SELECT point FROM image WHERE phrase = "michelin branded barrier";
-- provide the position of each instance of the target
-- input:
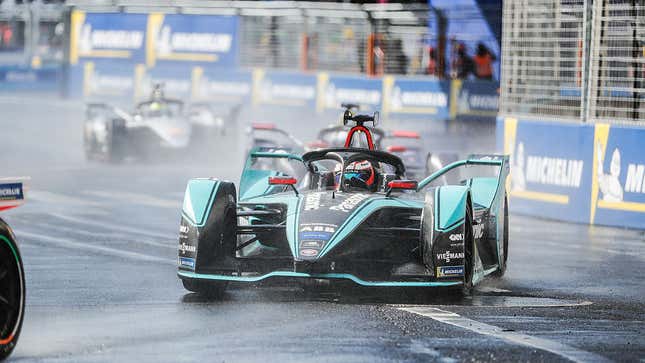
(22, 78)
(400, 97)
(119, 56)
(586, 173)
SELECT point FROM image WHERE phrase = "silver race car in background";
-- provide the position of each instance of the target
(156, 127)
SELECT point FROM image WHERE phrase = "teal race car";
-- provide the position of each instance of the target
(346, 214)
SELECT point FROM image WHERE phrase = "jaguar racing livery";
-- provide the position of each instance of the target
(300, 217)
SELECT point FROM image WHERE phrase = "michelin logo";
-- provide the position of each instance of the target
(609, 184)
(544, 170)
(402, 99)
(169, 42)
(109, 39)
(334, 96)
(477, 102)
(270, 91)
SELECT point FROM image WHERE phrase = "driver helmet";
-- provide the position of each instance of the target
(157, 92)
(360, 175)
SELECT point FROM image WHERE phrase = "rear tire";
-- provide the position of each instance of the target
(502, 264)
(12, 292)
(114, 152)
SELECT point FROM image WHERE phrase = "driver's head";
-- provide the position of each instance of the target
(157, 92)
(360, 175)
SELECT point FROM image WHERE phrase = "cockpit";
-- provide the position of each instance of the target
(159, 108)
(341, 169)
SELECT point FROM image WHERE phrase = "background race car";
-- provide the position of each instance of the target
(157, 127)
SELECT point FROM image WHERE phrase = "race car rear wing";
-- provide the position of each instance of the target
(12, 192)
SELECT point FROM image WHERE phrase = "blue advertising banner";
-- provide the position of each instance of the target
(176, 82)
(284, 89)
(219, 86)
(22, 78)
(405, 97)
(333, 90)
(107, 36)
(587, 173)
(203, 40)
(476, 99)
(101, 81)
(618, 185)
(551, 168)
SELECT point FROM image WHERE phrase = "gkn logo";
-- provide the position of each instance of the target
(456, 237)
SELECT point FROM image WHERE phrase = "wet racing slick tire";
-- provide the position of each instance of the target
(12, 291)
(217, 243)
(502, 264)
(469, 252)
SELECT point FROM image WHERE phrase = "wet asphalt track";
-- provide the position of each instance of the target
(99, 246)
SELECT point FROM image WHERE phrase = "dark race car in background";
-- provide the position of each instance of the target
(157, 127)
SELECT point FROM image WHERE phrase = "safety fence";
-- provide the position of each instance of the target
(574, 60)
(617, 64)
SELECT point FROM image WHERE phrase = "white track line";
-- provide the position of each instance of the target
(448, 317)
(136, 198)
(109, 226)
(66, 243)
(114, 235)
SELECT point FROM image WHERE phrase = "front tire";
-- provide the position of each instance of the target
(12, 292)
(469, 253)
(208, 289)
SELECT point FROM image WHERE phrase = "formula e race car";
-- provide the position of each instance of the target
(156, 127)
(345, 213)
(12, 273)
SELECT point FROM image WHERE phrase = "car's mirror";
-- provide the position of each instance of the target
(282, 180)
(401, 185)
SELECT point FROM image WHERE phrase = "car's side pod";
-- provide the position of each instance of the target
(443, 230)
(207, 234)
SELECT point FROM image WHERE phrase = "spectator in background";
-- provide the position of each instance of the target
(483, 61)
(396, 60)
(461, 65)
(432, 69)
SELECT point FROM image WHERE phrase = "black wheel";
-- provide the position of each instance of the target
(113, 148)
(89, 144)
(502, 264)
(208, 289)
(12, 292)
(469, 253)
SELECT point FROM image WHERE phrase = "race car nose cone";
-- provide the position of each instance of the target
(302, 266)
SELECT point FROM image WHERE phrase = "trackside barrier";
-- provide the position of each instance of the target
(23, 78)
(586, 173)
(397, 97)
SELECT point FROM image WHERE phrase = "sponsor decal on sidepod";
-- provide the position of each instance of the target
(449, 271)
